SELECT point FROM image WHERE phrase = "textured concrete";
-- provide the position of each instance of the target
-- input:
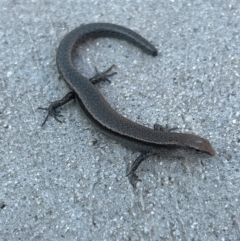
(67, 181)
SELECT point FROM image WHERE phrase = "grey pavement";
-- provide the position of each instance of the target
(67, 181)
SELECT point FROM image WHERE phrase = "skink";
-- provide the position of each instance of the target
(145, 140)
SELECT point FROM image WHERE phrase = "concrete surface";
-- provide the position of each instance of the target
(67, 181)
